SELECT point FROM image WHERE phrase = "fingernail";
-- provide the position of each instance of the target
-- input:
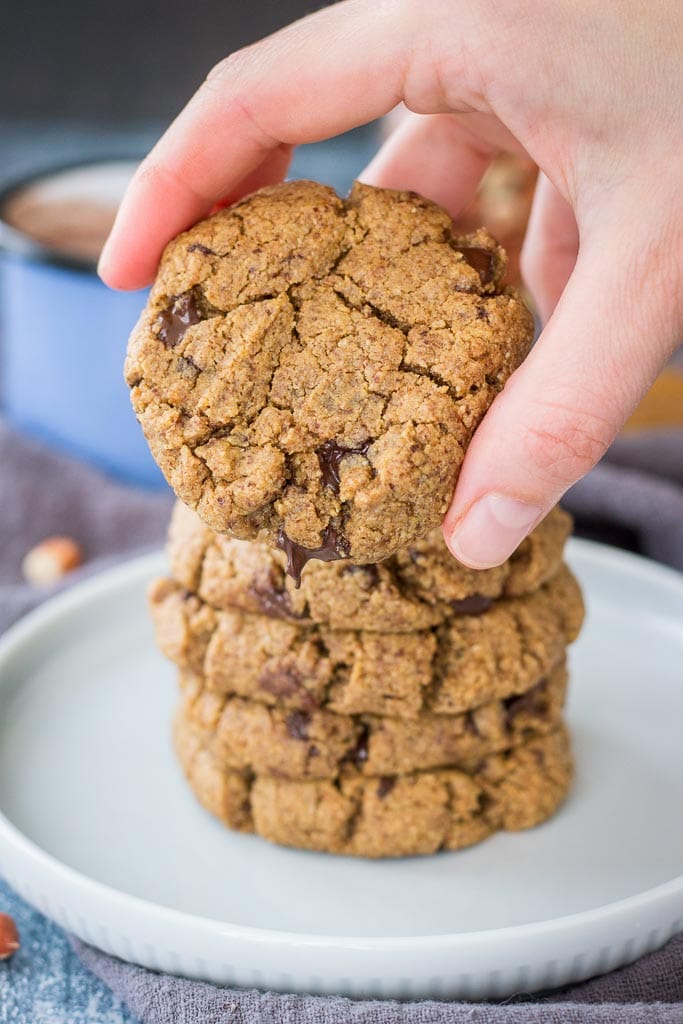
(102, 261)
(491, 530)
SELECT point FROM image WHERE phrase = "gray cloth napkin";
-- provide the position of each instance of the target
(649, 990)
(636, 494)
(43, 493)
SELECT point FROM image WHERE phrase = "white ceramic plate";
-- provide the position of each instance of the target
(98, 830)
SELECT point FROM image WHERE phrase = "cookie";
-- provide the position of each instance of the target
(416, 588)
(389, 816)
(460, 664)
(311, 369)
(253, 737)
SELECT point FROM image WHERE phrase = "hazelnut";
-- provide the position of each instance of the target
(50, 560)
(9, 937)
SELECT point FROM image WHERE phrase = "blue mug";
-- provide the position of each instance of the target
(64, 333)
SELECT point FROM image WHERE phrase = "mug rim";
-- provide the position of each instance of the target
(19, 243)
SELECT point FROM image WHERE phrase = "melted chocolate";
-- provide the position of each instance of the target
(480, 259)
(297, 723)
(174, 321)
(475, 604)
(333, 546)
(330, 455)
(532, 701)
(385, 786)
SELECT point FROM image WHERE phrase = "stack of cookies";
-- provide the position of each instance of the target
(380, 710)
(309, 372)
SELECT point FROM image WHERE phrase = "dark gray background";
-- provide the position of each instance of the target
(123, 60)
(83, 79)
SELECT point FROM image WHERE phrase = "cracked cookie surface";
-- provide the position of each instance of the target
(248, 736)
(389, 816)
(416, 588)
(460, 664)
(311, 369)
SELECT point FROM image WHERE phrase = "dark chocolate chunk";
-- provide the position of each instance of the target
(360, 752)
(333, 546)
(480, 259)
(471, 724)
(174, 321)
(532, 701)
(485, 801)
(187, 367)
(369, 574)
(385, 786)
(475, 604)
(297, 723)
(198, 247)
(272, 600)
(285, 682)
(330, 455)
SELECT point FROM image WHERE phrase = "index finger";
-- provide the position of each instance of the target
(323, 75)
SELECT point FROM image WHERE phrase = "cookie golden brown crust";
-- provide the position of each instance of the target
(416, 588)
(312, 369)
(248, 736)
(462, 663)
(390, 816)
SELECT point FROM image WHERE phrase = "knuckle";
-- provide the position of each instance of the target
(158, 176)
(226, 69)
(565, 443)
(230, 79)
(151, 174)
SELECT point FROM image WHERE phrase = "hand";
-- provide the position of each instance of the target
(589, 90)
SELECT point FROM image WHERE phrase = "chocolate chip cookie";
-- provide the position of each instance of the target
(311, 369)
(248, 736)
(462, 663)
(416, 588)
(389, 816)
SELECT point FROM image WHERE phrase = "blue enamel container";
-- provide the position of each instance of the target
(63, 339)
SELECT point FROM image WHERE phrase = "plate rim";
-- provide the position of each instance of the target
(68, 602)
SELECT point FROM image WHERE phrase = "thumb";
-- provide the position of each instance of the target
(559, 412)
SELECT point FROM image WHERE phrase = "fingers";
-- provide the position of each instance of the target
(124, 261)
(271, 171)
(550, 247)
(433, 155)
(329, 72)
(563, 407)
(441, 156)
